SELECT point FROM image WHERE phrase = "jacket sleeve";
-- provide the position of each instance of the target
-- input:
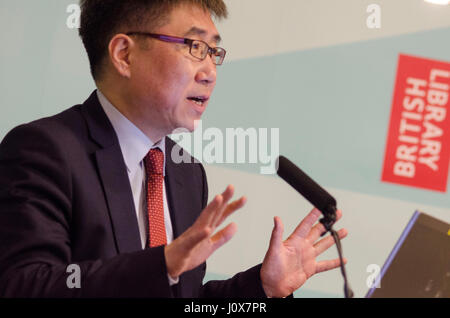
(35, 230)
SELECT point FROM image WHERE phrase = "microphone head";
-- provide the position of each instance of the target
(306, 186)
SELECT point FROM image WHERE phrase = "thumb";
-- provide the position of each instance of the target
(277, 233)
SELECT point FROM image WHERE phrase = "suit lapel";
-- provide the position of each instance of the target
(120, 198)
(176, 194)
(178, 200)
(114, 177)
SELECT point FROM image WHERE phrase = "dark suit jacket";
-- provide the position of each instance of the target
(65, 198)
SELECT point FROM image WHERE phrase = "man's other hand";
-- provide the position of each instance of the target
(288, 264)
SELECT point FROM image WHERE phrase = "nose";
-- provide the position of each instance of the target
(207, 73)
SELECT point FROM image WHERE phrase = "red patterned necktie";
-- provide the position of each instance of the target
(154, 164)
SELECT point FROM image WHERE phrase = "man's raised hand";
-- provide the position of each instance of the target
(198, 242)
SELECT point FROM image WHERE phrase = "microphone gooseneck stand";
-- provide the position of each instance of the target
(319, 198)
(327, 221)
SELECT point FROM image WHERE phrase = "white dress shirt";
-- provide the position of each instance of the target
(135, 145)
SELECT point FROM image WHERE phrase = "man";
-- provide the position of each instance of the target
(96, 185)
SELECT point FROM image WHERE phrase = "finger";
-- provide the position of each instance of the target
(208, 213)
(276, 238)
(230, 208)
(226, 196)
(228, 193)
(306, 224)
(327, 242)
(319, 229)
(215, 207)
(193, 236)
(324, 266)
(223, 236)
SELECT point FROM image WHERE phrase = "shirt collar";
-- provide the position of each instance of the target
(133, 142)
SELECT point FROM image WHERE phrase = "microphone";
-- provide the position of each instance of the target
(307, 187)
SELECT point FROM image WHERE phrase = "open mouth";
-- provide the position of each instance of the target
(199, 100)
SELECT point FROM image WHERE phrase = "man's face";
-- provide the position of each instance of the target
(165, 77)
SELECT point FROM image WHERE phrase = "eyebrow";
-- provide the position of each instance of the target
(197, 31)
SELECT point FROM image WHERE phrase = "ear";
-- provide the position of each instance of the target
(120, 48)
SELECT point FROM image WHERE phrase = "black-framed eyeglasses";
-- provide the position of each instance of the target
(197, 48)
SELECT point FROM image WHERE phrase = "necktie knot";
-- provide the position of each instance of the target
(154, 162)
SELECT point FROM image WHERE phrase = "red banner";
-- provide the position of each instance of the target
(418, 142)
